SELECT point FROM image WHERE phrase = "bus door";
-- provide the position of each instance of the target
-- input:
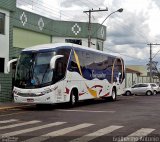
(60, 73)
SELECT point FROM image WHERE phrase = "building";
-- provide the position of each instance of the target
(138, 74)
(20, 29)
(132, 77)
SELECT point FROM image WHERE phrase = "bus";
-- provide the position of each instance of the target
(66, 72)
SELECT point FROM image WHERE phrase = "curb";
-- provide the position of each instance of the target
(12, 107)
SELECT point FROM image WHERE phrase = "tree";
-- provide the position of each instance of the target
(154, 69)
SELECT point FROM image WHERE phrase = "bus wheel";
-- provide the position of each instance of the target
(73, 97)
(114, 95)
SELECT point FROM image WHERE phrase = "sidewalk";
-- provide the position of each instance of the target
(11, 105)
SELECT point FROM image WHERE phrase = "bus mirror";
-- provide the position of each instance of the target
(53, 60)
(9, 64)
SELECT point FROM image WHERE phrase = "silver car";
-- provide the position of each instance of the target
(140, 89)
(155, 88)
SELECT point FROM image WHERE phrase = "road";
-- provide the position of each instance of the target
(130, 118)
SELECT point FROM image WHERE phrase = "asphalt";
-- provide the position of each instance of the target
(11, 105)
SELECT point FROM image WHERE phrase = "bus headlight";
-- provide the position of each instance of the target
(44, 92)
(15, 92)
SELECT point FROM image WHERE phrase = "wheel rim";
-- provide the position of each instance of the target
(128, 93)
(149, 93)
(113, 95)
(73, 99)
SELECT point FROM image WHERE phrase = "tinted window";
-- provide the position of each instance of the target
(73, 64)
(1, 64)
(153, 85)
(61, 63)
(75, 41)
(136, 86)
(2, 23)
(143, 85)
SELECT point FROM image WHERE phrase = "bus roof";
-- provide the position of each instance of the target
(56, 45)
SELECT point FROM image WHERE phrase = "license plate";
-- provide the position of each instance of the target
(30, 100)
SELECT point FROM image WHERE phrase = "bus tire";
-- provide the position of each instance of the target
(73, 97)
(114, 94)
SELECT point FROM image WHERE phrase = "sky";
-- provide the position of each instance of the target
(128, 33)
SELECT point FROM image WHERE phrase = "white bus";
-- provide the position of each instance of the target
(65, 72)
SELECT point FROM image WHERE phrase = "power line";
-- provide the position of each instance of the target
(116, 22)
(150, 59)
(42, 7)
(89, 23)
(123, 54)
(84, 41)
(91, 3)
(66, 35)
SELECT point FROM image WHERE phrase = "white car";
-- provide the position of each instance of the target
(141, 89)
(155, 87)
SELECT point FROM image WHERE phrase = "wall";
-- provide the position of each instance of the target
(4, 40)
(131, 79)
(25, 38)
(84, 41)
(5, 87)
(9, 5)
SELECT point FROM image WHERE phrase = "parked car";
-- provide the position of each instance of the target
(141, 89)
(156, 87)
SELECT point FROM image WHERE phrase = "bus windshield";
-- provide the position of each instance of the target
(33, 70)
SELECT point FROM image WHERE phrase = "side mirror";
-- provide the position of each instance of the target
(9, 64)
(53, 60)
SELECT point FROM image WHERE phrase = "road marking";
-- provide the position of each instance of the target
(59, 132)
(77, 110)
(96, 134)
(136, 136)
(11, 114)
(19, 124)
(32, 129)
(8, 121)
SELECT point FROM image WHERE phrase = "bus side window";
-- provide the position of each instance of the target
(59, 70)
(73, 65)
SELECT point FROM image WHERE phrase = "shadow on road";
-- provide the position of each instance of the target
(48, 107)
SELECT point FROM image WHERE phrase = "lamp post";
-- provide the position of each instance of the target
(119, 10)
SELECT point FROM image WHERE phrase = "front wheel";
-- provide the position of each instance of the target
(114, 95)
(73, 98)
(148, 93)
(128, 93)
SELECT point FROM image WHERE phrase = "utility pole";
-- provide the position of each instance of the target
(89, 23)
(150, 60)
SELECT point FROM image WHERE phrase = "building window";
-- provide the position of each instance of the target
(2, 23)
(2, 65)
(75, 41)
(100, 45)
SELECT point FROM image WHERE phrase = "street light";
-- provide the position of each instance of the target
(119, 10)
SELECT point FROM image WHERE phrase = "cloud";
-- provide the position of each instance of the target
(131, 29)
(72, 3)
(127, 33)
(82, 4)
(157, 2)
